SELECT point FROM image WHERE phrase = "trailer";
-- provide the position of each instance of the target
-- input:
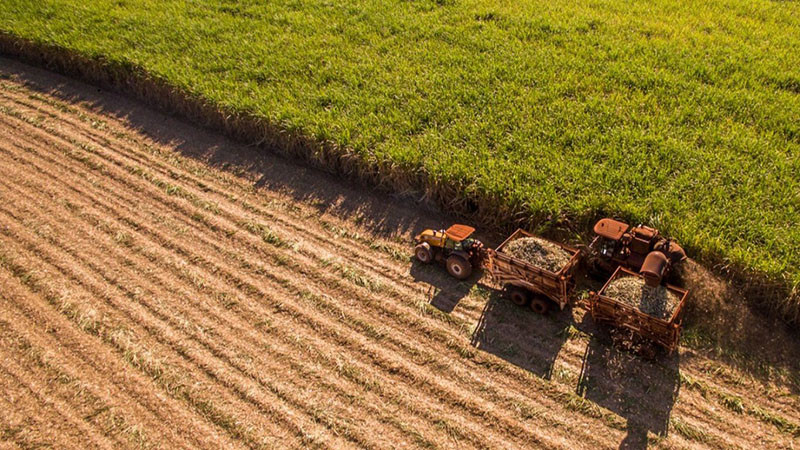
(611, 311)
(526, 284)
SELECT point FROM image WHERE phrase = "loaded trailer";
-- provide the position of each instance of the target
(664, 330)
(528, 284)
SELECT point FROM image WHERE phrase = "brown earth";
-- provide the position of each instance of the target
(160, 284)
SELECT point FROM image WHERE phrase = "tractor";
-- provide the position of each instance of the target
(638, 248)
(453, 246)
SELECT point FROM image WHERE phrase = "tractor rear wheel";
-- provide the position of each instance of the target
(518, 296)
(459, 267)
(423, 254)
(540, 305)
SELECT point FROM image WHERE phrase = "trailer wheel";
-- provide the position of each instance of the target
(518, 296)
(423, 253)
(540, 305)
(459, 267)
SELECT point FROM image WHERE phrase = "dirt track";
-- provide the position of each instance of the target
(161, 283)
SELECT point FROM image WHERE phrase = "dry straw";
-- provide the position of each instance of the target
(658, 302)
(539, 252)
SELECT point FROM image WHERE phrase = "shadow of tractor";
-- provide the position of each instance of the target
(445, 292)
(520, 336)
(641, 391)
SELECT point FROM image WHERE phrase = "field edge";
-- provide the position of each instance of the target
(769, 294)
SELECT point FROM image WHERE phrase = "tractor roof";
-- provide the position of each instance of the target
(610, 228)
(459, 232)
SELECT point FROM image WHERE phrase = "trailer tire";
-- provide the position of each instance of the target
(518, 296)
(423, 253)
(540, 305)
(459, 267)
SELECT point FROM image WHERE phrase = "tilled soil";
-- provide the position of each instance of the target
(161, 286)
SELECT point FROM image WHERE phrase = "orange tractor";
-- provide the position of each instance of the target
(453, 246)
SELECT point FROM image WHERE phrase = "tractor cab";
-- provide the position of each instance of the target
(454, 246)
(609, 240)
(458, 237)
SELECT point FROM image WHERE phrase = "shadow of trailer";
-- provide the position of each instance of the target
(527, 284)
(642, 391)
(529, 341)
(665, 332)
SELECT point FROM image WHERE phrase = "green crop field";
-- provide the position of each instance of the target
(685, 115)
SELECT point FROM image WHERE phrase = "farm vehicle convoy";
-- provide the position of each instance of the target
(635, 262)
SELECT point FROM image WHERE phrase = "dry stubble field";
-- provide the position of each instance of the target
(158, 283)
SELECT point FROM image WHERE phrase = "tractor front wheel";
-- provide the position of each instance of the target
(423, 254)
(459, 267)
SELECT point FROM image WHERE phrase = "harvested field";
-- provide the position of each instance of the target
(161, 285)
(539, 252)
(657, 302)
